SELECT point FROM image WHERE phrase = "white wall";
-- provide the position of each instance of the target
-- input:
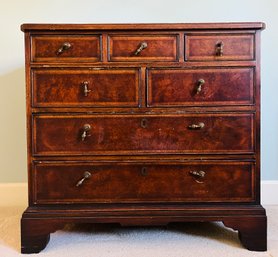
(12, 92)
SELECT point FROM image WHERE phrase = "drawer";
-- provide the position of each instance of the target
(204, 181)
(128, 48)
(66, 48)
(202, 86)
(95, 87)
(217, 47)
(139, 134)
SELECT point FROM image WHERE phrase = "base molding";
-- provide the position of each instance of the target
(38, 222)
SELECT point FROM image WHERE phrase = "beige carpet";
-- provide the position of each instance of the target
(190, 239)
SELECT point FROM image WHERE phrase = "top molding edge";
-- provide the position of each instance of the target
(144, 26)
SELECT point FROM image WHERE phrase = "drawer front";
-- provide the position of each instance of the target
(66, 48)
(204, 86)
(126, 48)
(140, 134)
(131, 182)
(217, 47)
(85, 87)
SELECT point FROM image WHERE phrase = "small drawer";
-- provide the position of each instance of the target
(94, 87)
(218, 133)
(92, 182)
(129, 48)
(200, 87)
(218, 47)
(66, 48)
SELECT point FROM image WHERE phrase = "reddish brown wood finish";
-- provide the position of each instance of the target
(66, 87)
(215, 26)
(140, 149)
(124, 182)
(250, 221)
(252, 231)
(159, 48)
(222, 86)
(126, 134)
(204, 47)
(35, 233)
(83, 48)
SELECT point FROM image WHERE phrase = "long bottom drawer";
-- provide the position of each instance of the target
(122, 182)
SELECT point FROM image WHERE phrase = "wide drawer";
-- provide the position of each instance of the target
(217, 47)
(203, 86)
(126, 48)
(66, 48)
(223, 133)
(95, 87)
(203, 181)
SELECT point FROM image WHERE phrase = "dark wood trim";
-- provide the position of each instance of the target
(249, 221)
(252, 231)
(146, 26)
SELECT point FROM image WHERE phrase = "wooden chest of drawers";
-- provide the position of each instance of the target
(143, 124)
